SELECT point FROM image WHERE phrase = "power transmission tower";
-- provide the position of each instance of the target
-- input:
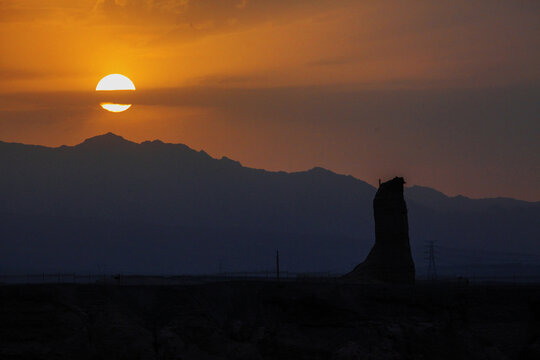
(430, 258)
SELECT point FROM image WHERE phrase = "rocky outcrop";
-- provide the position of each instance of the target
(390, 259)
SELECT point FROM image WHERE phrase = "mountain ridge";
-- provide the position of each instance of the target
(111, 140)
(136, 206)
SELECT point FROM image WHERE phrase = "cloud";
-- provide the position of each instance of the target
(333, 61)
(207, 16)
(30, 11)
(7, 74)
(273, 42)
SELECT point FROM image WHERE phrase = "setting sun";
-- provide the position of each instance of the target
(115, 82)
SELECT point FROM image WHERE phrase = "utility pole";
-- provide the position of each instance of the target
(430, 257)
(277, 265)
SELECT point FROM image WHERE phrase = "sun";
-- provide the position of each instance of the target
(115, 82)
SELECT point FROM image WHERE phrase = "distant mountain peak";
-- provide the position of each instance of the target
(227, 160)
(425, 191)
(107, 140)
(156, 142)
(320, 170)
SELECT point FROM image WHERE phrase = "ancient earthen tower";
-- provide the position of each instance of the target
(390, 259)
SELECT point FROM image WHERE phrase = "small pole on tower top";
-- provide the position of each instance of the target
(277, 265)
(379, 182)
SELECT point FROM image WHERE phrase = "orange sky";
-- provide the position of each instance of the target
(442, 92)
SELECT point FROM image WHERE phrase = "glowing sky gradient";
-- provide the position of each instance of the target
(444, 93)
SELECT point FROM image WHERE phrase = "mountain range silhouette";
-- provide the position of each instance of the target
(112, 205)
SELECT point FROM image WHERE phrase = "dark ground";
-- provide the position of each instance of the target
(270, 320)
